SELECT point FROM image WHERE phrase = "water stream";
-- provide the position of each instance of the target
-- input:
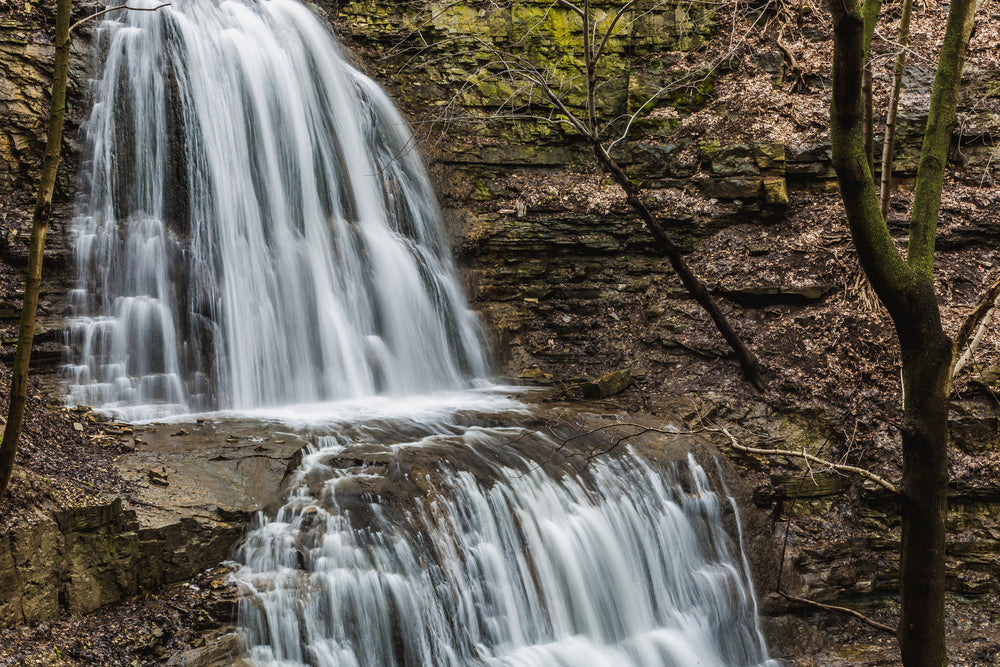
(254, 230)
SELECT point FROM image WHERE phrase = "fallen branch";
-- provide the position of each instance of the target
(984, 325)
(987, 302)
(840, 467)
(843, 610)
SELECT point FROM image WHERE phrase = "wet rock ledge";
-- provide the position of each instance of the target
(196, 485)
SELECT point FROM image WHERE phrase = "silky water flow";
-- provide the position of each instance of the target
(505, 561)
(254, 229)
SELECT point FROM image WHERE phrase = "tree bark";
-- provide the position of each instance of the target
(907, 290)
(39, 228)
(937, 137)
(869, 13)
(923, 498)
(889, 138)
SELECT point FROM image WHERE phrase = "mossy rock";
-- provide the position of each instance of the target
(608, 385)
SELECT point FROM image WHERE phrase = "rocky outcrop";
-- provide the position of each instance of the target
(76, 559)
(25, 80)
(197, 487)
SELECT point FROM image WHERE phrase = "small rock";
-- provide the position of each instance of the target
(769, 155)
(613, 383)
(534, 373)
(78, 427)
(158, 477)
(180, 432)
(776, 191)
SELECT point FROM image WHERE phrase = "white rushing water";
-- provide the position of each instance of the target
(254, 228)
(501, 564)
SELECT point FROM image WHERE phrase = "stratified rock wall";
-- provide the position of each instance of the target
(26, 76)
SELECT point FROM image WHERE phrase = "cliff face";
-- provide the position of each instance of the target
(26, 55)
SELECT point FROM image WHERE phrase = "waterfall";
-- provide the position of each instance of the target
(504, 561)
(254, 227)
(254, 230)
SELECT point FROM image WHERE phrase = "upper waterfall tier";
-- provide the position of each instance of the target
(254, 227)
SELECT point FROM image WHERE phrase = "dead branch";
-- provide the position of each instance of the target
(977, 339)
(114, 9)
(987, 302)
(843, 610)
(839, 467)
(794, 69)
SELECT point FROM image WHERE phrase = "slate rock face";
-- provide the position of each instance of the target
(76, 559)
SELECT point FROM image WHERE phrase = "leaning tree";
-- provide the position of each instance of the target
(551, 63)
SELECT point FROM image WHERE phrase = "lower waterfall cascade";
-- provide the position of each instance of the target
(619, 564)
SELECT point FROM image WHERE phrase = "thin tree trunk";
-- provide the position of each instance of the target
(889, 140)
(748, 362)
(39, 228)
(866, 92)
(869, 12)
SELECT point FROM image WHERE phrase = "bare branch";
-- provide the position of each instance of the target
(839, 467)
(987, 302)
(114, 9)
(843, 610)
(614, 22)
(569, 5)
(984, 325)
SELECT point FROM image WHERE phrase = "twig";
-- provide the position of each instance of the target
(112, 9)
(986, 303)
(840, 467)
(977, 339)
(843, 610)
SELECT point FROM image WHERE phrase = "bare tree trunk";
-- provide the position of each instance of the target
(889, 140)
(39, 228)
(923, 498)
(866, 92)
(869, 11)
